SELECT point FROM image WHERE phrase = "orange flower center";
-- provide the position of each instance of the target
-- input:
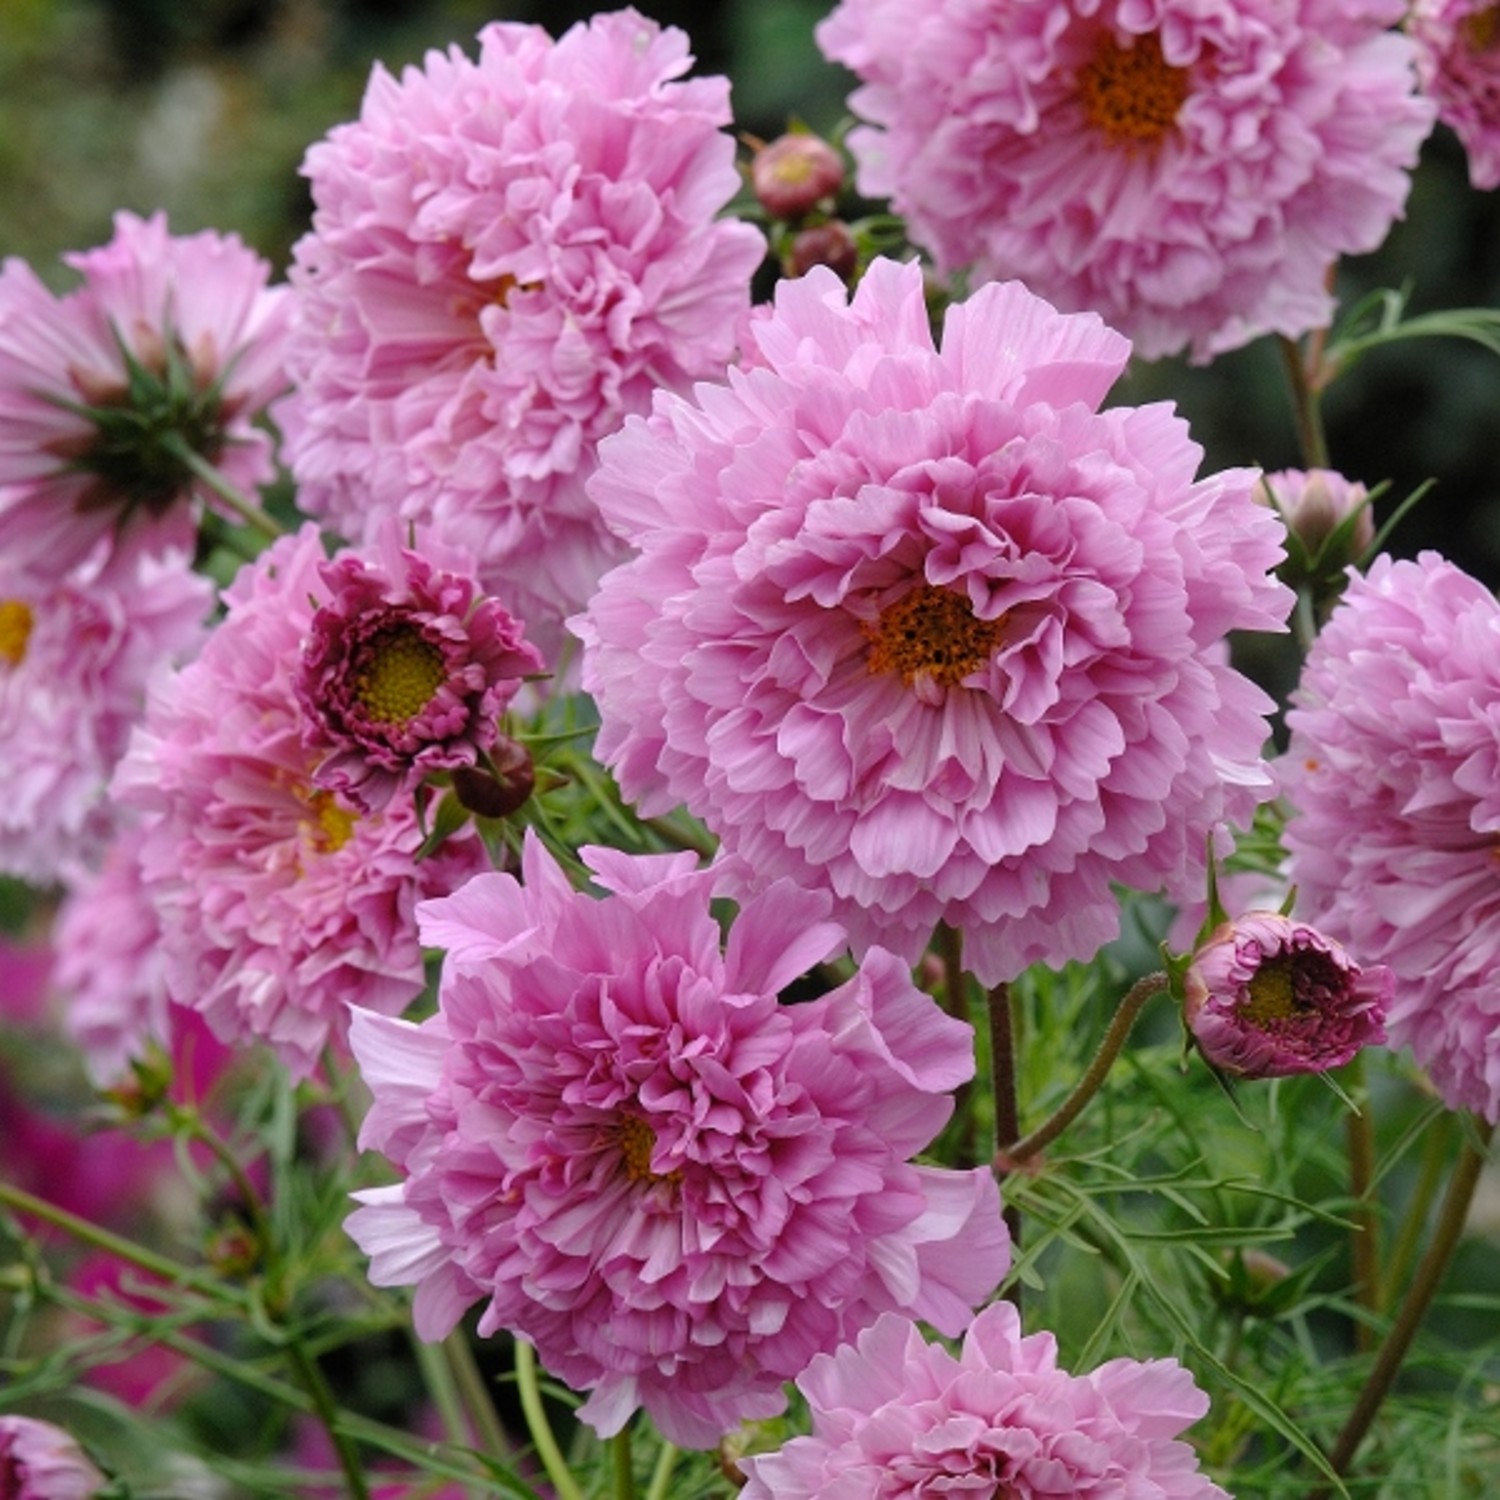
(15, 630)
(1131, 93)
(932, 632)
(397, 674)
(1481, 30)
(637, 1141)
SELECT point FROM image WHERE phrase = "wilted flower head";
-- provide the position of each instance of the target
(1267, 997)
(406, 669)
(616, 1138)
(167, 351)
(1393, 770)
(1458, 61)
(1191, 172)
(509, 254)
(898, 1418)
(41, 1462)
(76, 654)
(281, 904)
(923, 627)
(794, 173)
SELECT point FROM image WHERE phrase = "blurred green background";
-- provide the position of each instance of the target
(205, 110)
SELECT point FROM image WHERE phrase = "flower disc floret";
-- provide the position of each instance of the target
(1190, 171)
(617, 1139)
(1392, 770)
(896, 1417)
(920, 626)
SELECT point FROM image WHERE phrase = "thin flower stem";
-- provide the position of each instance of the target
(624, 1467)
(661, 1476)
(1435, 1146)
(1364, 1240)
(536, 1423)
(1007, 1159)
(1007, 1107)
(1306, 408)
(327, 1409)
(198, 1129)
(955, 1000)
(1429, 1274)
(443, 1390)
(476, 1395)
(239, 502)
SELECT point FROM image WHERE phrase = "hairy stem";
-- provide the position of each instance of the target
(1306, 407)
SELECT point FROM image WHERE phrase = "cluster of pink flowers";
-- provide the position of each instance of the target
(1393, 769)
(679, 1189)
(509, 254)
(1191, 172)
(923, 627)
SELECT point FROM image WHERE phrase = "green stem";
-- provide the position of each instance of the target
(1306, 408)
(624, 1467)
(1419, 1295)
(1007, 1104)
(237, 501)
(328, 1413)
(1007, 1160)
(661, 1476)
(536, 1423)
(1364, 1242)
(198, 1129)
(1435, 1146)
(955, 1000)
(476, 1395)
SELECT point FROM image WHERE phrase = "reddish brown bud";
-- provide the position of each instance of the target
(794, 174)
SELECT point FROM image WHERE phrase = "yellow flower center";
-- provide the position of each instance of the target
(1132, 93)
(15, 630)
(398, 674)
(931, 631)
(331, 825)
(637, 1141)
(1273, 994)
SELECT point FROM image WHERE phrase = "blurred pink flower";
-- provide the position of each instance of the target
(1267, 997)
(1458, 62)
(76, 654)
(677, 1188)
(897, 1417)
(1393, 770)
(407, 669)
(923, 627)
(1189, 171)
(507, 256)
(169, 342)
(41, 1462)
(280, 905)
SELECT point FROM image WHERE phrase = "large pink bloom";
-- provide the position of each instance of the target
(507, 256)
(924, 628)
(1458, 61)
(172, 342)
(1189, 169)
(679, 1189)
(41, 1462)
(76, 654)
(1394, 772)
(901, 1419)
(280, 904)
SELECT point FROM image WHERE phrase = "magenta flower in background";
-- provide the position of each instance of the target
(616, 1138)
(509, 254)
(1393, 770)
(1458, 62)
(76, 655)
(898, 1418)
(41, 1462)
(1267, 997)
(281, 905)
(1189, 170)
(923, 628)
(172, 343)
(406, 670)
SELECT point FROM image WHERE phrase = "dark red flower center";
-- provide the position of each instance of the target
(15, 630)
(1131, 93)
(932, 632)
(396, 674)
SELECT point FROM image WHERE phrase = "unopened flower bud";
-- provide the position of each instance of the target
(497, 790)
(794, 174)
(1315, 502)
(1268, 997)
(829, 244)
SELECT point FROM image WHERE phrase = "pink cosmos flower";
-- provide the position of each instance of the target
(1189, 169)
(923, 628)
(41, 1462)
(280, 904)
(1393, 770)
(170, 344)
(76, 654)
(1268, 997)
(406, 670)
(1458, 62)
(507, 256)
(616, 1137)
(897, 1417)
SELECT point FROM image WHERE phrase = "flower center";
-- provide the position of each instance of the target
(637, 1141)
(1481, 30)
(331, 826)
(1274, 994)
(931, 631)
(397, 673)
(1131, 93)
(15, 630)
